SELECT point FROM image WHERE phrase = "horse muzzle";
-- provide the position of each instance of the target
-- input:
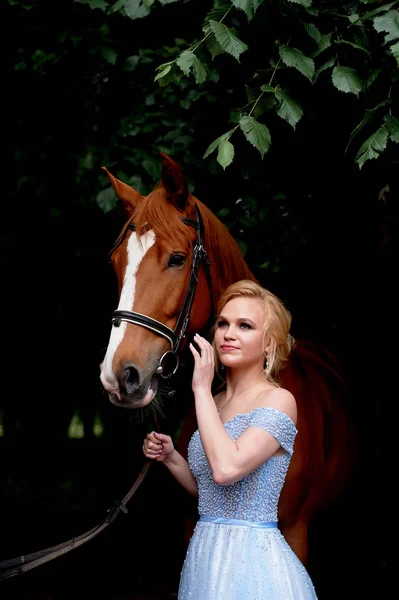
(134, 398)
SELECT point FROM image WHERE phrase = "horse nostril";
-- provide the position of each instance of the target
(132, 379)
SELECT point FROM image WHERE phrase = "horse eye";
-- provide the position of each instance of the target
(176, 260)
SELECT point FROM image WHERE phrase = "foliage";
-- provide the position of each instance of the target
(355, 45)
(83, 92)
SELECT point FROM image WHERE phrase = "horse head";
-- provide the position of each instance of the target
(167, 288)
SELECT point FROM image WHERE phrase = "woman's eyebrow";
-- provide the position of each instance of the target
(246, 320)
(239, 320)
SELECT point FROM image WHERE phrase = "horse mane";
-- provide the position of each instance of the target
(227, 260)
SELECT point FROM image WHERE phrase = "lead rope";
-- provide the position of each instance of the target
(16, 566)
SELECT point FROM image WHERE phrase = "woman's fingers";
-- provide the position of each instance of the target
(151, 446)
(204, 345)
(194, 350)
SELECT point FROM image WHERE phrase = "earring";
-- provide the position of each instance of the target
(266, 363)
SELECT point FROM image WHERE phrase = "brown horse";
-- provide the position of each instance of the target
(172, 259)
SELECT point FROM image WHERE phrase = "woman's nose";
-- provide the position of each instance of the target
(229, 333)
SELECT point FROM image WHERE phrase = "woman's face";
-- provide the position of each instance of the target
(238, 337)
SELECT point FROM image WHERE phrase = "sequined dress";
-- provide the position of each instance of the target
(236, 551)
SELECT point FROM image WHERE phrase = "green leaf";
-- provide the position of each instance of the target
(168, 73)
(371, 78)
(136, 9)
(213, 45)
(289, 110)
(218, 11)
(268, 88)
(368, 117)
(188, 60)
(392, 124)
(225, 153)
(257, 134)
(327, 65)
(312, 30)
(305, 3)
(264, 105)
(249, 202)
(265, 265)
(325, 42)
(354, 19)
(228, 40)
(378, 10)
(185, 61)
(212, 147)
(357, 46)
(346, 80)
(76, 427)
(163, 70)
(115, 7)
(389, 23)
(292, 57)
(248, 6)
(373, 146)
(131, 63)
(247, 221)
(109, 54)
(223, 212)
(152, 167)
(242, 246)
(94, 4)
(106, 199)
(199, 70)
(394, 50)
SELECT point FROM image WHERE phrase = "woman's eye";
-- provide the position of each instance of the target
(176, 260)
(222, 324)
(245, 326)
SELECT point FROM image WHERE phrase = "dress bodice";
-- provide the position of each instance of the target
(255, 497)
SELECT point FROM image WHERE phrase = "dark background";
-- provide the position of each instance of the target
(333, 261)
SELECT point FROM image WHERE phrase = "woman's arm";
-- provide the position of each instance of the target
(159, 447)
(230, 460)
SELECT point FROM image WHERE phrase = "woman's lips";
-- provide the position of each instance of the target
(228, 348)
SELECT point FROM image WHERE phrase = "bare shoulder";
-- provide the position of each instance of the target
(280, 399)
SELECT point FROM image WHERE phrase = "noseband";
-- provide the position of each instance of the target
(176, 335)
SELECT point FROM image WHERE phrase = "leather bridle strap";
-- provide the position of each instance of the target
(147, 322)
(20, 564)
(175, 336)
(199, 255)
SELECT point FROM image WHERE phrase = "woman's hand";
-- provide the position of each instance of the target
(158, 446)
(204, 365)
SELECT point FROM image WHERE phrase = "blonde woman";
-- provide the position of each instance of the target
(239, 456)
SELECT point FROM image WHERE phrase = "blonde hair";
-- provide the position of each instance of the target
(276, 328)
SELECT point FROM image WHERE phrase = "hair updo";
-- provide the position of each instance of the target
(276, 329)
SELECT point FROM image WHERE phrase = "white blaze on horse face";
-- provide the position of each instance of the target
(136, 250)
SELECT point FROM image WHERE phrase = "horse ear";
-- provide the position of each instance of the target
(126, 194)
(174, 182)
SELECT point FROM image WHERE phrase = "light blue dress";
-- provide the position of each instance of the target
(236, 551)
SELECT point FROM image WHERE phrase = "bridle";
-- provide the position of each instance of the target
(174, 336)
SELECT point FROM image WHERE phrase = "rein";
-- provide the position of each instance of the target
(17, 566)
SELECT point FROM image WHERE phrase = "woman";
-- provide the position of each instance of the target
(239, 456)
